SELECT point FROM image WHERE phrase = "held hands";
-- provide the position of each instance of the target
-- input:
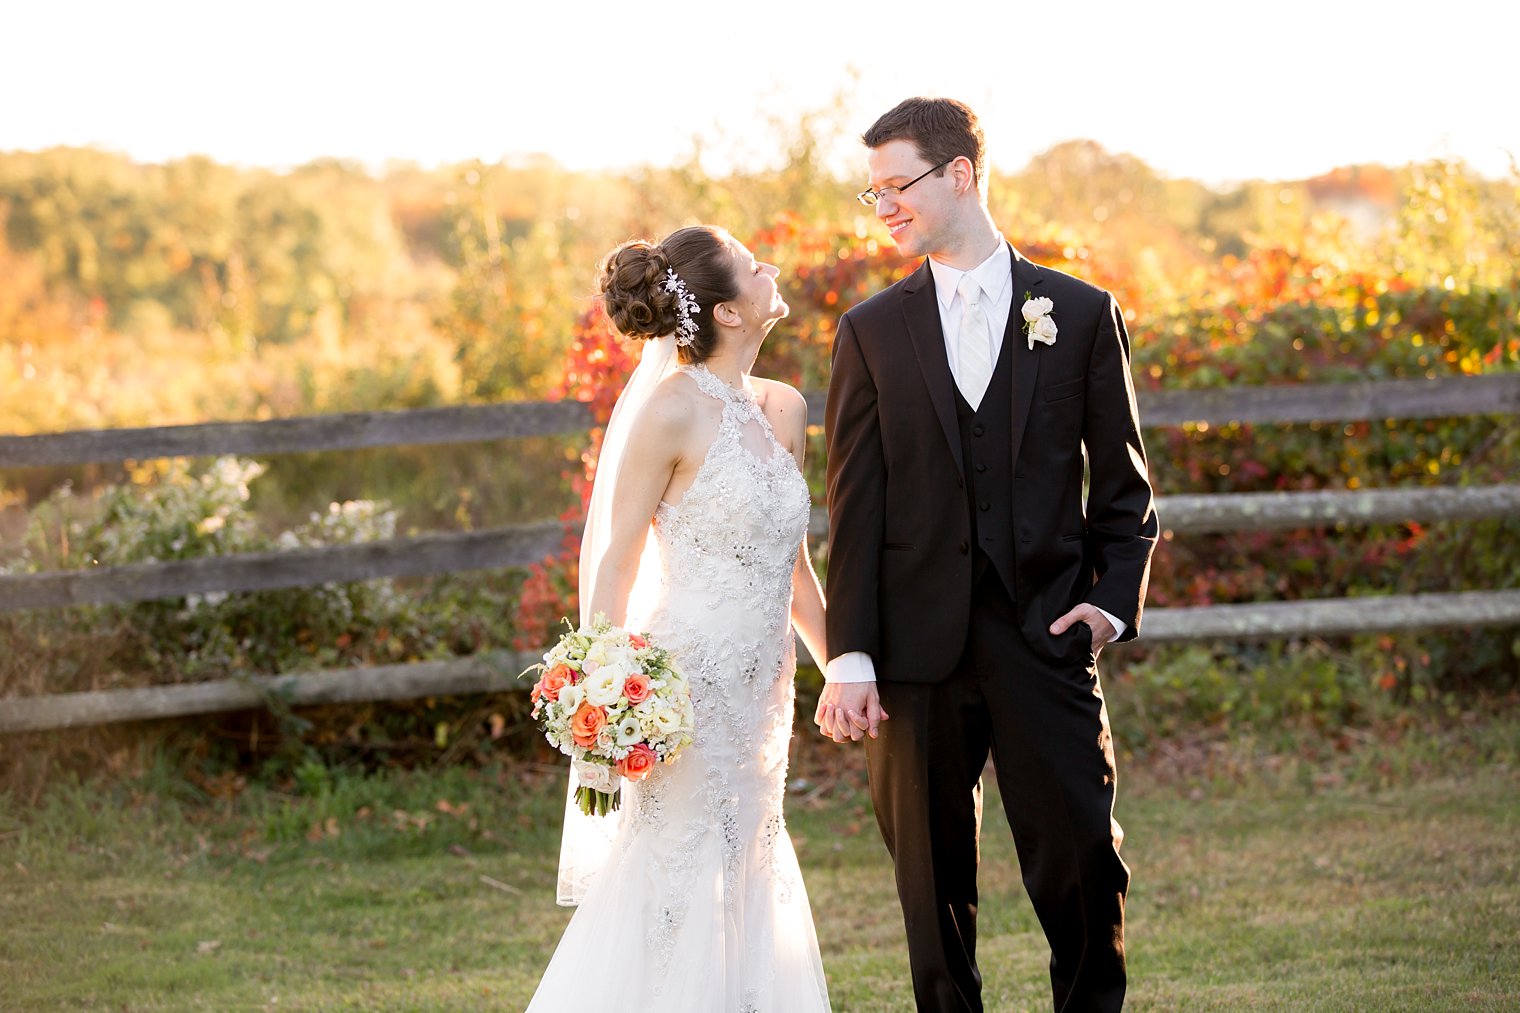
(849, 711)
(1102, 630)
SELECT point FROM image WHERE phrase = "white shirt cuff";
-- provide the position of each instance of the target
(855, 666)
(1119, 627)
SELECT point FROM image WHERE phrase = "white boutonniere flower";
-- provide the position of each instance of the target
(1037, 322)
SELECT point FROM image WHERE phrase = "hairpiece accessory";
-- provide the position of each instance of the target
(686, 307)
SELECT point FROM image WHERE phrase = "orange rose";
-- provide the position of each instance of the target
(638, 642)
(587, 724)
(638, 763)
(636, 687)
(554, 680)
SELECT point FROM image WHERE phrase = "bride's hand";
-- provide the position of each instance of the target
(849, 711)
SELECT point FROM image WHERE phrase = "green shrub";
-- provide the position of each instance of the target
(179, 512)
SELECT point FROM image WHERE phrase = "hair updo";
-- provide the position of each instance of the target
(631, 278)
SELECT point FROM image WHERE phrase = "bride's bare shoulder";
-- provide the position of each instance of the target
(780, 394)
(678, 393)
(674, 406)
(782, 403)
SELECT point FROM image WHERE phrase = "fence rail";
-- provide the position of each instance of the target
(519, 544)
(491, 549)
(1444, 397)
(496, 671)
(1497, 394)
(1256, 511)
(1333, 616)
(485, 672)
(349, 431)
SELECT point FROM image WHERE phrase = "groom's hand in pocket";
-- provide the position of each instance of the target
(1102, 630)
(849, 711)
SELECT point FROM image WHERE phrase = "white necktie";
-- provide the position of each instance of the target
(975, 345)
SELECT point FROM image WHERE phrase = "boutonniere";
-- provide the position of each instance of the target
(1037, 322)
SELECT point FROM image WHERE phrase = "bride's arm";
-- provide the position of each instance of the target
(807, 593)
(655, 448)
(807, 606)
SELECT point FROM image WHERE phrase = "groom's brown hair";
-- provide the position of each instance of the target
(940, 128)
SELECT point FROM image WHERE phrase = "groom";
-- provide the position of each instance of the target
(972, 580)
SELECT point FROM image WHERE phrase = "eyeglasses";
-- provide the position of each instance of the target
(870, 197)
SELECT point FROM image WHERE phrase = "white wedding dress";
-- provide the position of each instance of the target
(700, 906)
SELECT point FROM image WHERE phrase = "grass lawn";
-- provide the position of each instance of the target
(1372, 870)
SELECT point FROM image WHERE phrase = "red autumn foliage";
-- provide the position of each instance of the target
(1279, 314)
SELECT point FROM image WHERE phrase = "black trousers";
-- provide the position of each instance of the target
(1046, 729)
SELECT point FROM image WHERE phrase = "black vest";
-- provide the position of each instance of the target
(986, 461)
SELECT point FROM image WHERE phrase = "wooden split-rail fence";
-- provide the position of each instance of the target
(520, 545)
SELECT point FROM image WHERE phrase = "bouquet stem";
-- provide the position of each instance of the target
(597, 803)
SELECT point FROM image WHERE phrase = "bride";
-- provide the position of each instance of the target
(690, 897)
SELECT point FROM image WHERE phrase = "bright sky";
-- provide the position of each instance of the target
(1208, 90)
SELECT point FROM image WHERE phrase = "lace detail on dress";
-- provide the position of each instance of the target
(702, 855)
(736, 532)
(729, 548)
(740, 400)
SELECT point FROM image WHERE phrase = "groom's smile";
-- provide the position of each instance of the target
(907, 189)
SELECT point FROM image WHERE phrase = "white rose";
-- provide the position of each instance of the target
(1043, 330)
(597, 777)
(1034, 309)
(604, 686)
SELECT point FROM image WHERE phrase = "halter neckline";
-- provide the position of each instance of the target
(709, 383)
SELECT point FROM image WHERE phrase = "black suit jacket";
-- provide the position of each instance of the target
(899, 568)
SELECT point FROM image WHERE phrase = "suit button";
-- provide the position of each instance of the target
(981, 468)
(983, 505)
(965, 547)
(977, 430)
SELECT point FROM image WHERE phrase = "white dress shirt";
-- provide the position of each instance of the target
(995, 275)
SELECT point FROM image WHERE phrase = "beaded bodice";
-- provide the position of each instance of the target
(733, 538)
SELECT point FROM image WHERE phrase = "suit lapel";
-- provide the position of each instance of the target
(1027, 277)
(921, 311)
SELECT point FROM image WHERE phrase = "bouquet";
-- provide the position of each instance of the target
(612, 701)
